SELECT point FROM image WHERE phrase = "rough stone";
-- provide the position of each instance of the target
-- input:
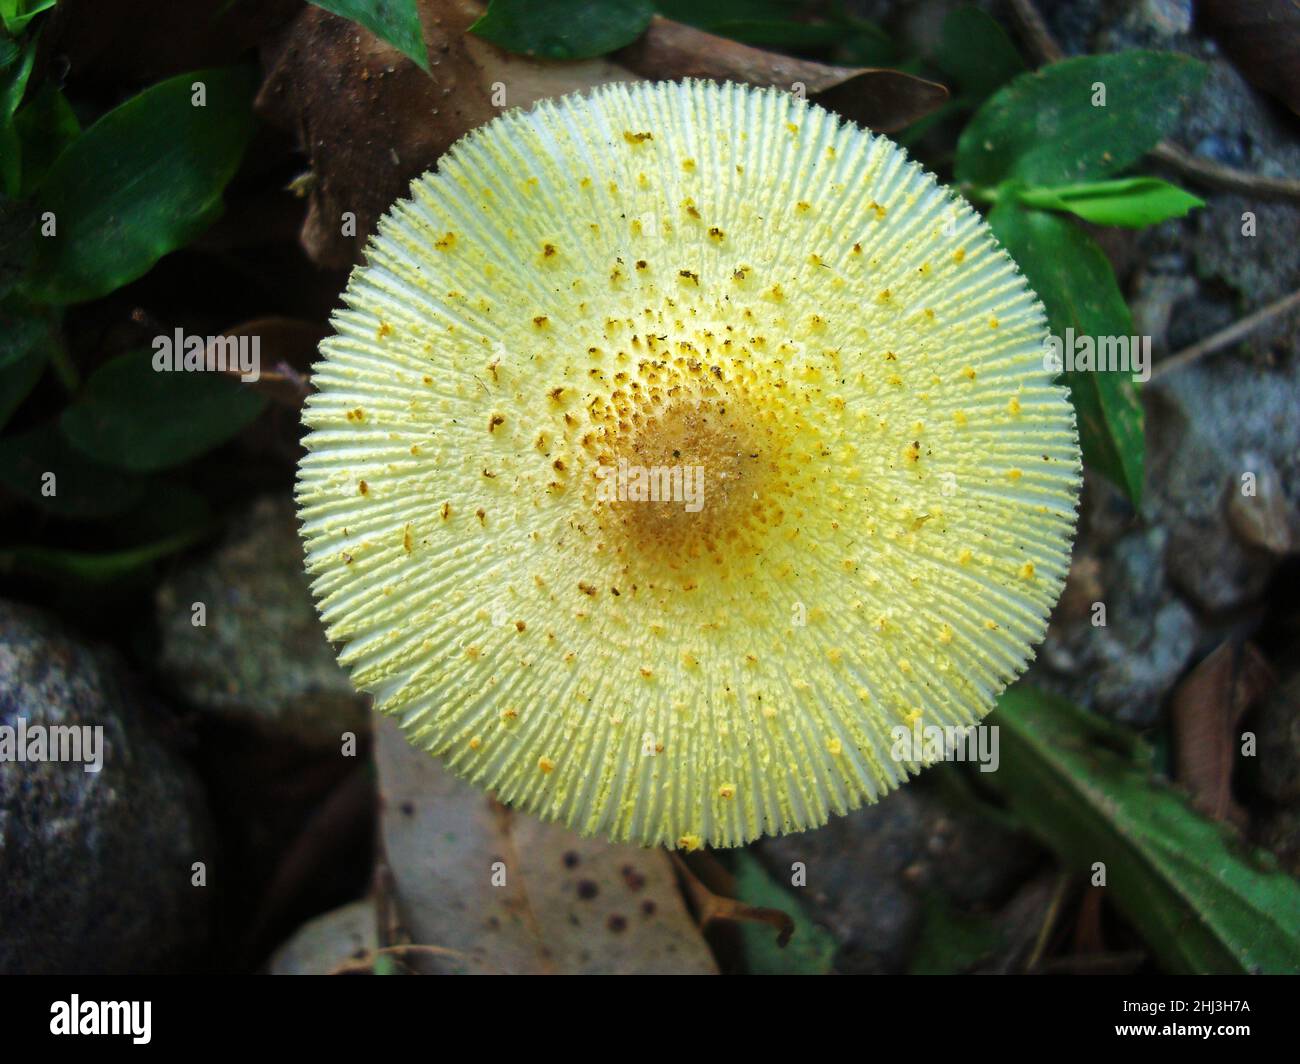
(1207, 425)
(867, 871)
(1125, 668)
(262, 658)
(96, 867)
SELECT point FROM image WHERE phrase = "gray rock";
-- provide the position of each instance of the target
(1155, 295)
(1207, 424)
(96, 867)
(1125, 669)
(867, 871)
(262, 658)
(1230, 123)
(1261, 516)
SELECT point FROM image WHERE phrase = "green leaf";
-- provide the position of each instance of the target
(784, 35)
(27, 335)
(811, 949)
(1043, 129)
(975, 52)
(141, 182)
(24, 329)
(1073, 278)
(1203, 901)
(15, 71)
(46, 126)
(395, 21)
(1133, 202)
(83, 489)
(706, 14)
(16, 14)
(775, 24)
(563, 29)
(18, 225)
(951, 942)
(133, 417)
(17, 380)
(169, 508)
(92, 567)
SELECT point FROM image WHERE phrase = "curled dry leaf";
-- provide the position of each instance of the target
(331, 942)
(495, 892)
(1207, 708)
(882, 100)
(707, 885)
(1263, 39)
(371, 121)
(286, 347)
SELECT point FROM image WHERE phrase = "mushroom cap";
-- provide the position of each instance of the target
(680, 277)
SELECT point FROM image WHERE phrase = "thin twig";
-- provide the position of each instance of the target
(1035, 32)
(1234, 333)
(367, 963)
(1045, 49)
(1049, 921)
(1225, 177)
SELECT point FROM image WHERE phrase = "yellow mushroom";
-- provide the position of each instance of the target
(874, 532)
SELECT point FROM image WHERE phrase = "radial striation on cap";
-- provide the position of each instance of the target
(676, 447)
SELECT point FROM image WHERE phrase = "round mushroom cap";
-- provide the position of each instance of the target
(683, 450)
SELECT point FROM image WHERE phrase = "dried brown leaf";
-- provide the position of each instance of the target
(702, 886)
(371, 121)
(567, 904)
(883, 100)
(287, 348)
(1207, 708)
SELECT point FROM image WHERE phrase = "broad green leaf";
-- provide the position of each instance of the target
(396, 21)
(1044, 129)
(133, 417)
(563, 29)
(28, 335)
(82, 488)
(1133, 202)
(1073, 278)
(18, 226)
(706, 14)
(951, 942)
(17, 379)
(773, 24)
(867, 48)
(92, 567)
(16, 14)
(784, 35)
(1203, 900)
(811, 949)
(46, 126)
(976, 53)
(24, 328)
(142, 181)
(15, 71)
(168, 508)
